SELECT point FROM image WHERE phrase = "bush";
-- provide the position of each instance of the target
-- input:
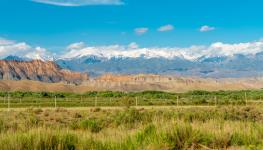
(74, 125)
(2, 126)
(77, 115)
(131, 117)
(97, 109)
(33, 121)
(38, 111)
(183, 136)
(92, 125)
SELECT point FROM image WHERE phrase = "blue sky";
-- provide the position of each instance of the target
(98, 22)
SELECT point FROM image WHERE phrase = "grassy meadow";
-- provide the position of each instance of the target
(120, 99)
(167, 121)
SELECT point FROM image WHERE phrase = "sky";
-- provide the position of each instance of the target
(56, 24)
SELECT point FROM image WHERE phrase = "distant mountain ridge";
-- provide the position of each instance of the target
(24, 76)
(236, 66)
(215, 67)
(14, 58)
(216, 60)
(136, 83)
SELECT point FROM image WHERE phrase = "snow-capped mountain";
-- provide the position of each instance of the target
(234, 66)
(14, 58)
(193, 53)
(231, 66)
(216, 60)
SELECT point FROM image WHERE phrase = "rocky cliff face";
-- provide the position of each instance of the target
(39, 71)
(149, 82)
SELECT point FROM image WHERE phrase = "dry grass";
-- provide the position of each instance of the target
(164, 128)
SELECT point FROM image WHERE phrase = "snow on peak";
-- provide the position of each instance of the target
(133, 50)
(192, 53)
(40, 54)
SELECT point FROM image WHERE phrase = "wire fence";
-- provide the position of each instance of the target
(23, 102)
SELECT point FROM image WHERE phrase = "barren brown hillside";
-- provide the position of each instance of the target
(136, 83)
(171, 83)
(39, 71)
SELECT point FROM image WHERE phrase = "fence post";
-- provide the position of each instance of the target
(8, 99)
(96, 99)
(55, 101)
(8, 96)
(136, 101)
(177, 101)
(246, 98)
(215, 101)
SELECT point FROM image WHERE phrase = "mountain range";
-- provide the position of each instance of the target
(218, 60)
(135, 83)
(215, 67)
(20, 75)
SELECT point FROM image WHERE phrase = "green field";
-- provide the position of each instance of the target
(148, 98)
(131, 121)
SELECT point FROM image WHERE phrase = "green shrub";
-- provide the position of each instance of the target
(74, 125)
(77, 115)
(2, 126)
(92, 125)
(130, 117)
(179, 136)
(38, 111)
(32, 121)
(97, 109)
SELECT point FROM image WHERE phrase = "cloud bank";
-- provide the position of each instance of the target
(75, 3)
(22, 49)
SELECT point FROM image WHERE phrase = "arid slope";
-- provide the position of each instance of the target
(38, 71)
(136, 83)
(171, 83)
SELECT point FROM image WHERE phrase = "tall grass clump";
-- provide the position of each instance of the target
(40, 139)
(92, 125)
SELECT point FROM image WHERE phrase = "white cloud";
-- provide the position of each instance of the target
(78, 45)
(206, 28)
(141, 31)
(22, 49)
(5, 41)
(8, 47)
(133, 45)
(165, 28)
(79, 2)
